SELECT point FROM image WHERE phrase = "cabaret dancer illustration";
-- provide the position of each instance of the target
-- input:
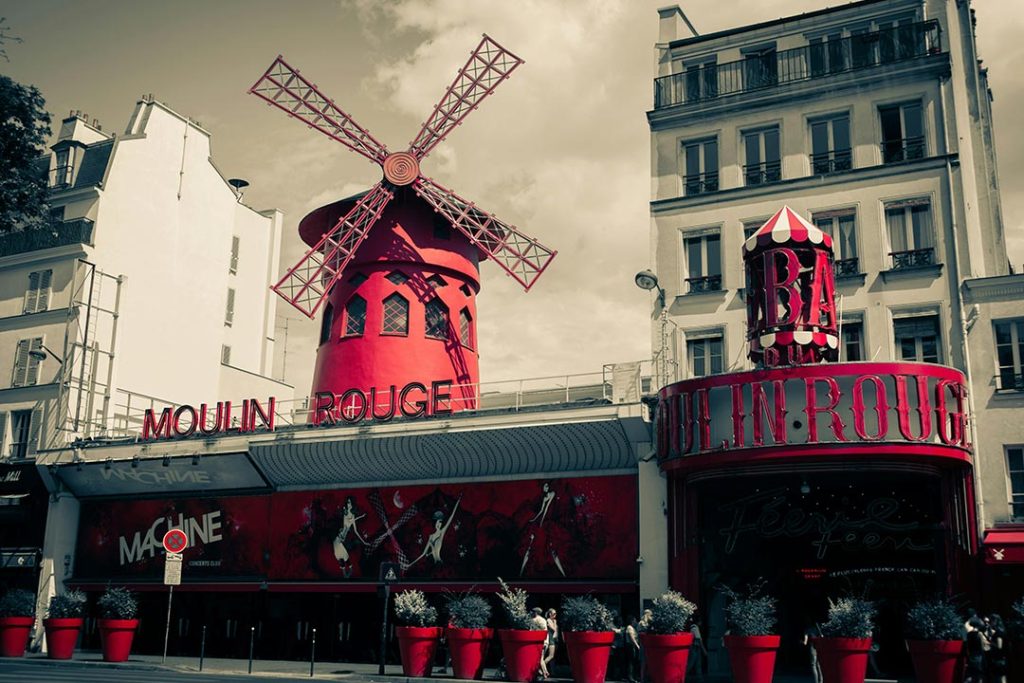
(543, 540)
(341, 543)
(436, 539)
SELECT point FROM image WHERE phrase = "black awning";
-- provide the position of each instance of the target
(20, 480)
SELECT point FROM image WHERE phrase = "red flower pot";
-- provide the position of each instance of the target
(523, 651)
(468, 648)
(14, 635)
(417, 645)
(666, 656)
(61, 636)
(752, 657)
(588, 654)
(936, 661)
(116, 638)
(843, 660)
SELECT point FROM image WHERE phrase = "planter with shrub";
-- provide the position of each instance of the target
(468, 634)
(667, 638)
(846, 640)
(935, 640)
(587, 630)
(752, 642)
(17, 614)
(418, 635)
(117, 609)
(1015, 629)
(522, 643)
(63, 623)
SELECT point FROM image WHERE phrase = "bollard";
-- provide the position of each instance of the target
(202, 649)
(312, 654)
(252, 640)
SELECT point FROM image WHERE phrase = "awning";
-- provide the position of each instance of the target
(1004, 546)
(19, 481)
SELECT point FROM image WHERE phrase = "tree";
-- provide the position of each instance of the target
(24, 130)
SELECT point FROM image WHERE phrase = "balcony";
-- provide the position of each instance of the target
(847, 267)
(700, 184)
(705, 284)
(57, 235)
(821, 60)
(762, 174)
(906, 149)
(913, 258)
(826, 163)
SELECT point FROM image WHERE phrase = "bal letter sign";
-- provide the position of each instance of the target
(175, 541)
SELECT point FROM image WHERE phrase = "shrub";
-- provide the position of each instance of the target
(585, 613)
(69, 605)
(513, 604)
(468, 611)
(670, 613)
(18, 603)
(750, 613)
(849, 618)
(1016, 620)
(117, 603)
(934, 620)
(412, 609)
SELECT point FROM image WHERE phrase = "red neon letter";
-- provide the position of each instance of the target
(773, 286)
(881, 408)
(813, 409)
(153, 429)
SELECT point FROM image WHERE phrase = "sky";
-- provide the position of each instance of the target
(561, 150)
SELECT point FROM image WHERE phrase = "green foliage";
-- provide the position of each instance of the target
(670, 613)
(513, 604)
(1016, 620)
(18, 603)
(117, 603)
(24, 129)
(68, 605)
(585, 613)
(934, 620)
(750, 613)
(849, 618)
(468, 611)
(412, 609)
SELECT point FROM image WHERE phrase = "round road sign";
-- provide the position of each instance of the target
(175, 541)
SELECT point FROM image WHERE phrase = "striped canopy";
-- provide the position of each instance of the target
(786, 227)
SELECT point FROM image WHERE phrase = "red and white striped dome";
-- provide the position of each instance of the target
(786, 226)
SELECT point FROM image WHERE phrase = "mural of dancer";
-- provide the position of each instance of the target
(544, 541)
(436, 539)
(342, 544)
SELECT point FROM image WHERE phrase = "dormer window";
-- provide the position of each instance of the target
(62, 168)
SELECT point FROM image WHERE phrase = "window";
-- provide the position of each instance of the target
(917, 338)
(436, 319)
(705, 355)
(1009, 336)
(26, 366)
(466, 290)
(225, 354)
(1015, 472)
(902, 132)
(909, 224)
(37, 296)
(852, 340)
(465, 328)
(235, 244)
(325, 324)
(830, 145)
(21, 433)
(750, 227)
(703, 262)
(397, 277)
(62, 168)
(862, 48)
(355, 316)
(759, 68)
(826, 54)
(700, 160)
(57, 214)
(701, 81)
(900, 39)
(841, 226)
(229, 311)
(763, 156)
(436, 281)
(396, 315)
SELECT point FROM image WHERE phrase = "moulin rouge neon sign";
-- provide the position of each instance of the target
(186, 420)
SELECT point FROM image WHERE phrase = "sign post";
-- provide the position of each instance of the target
(390, 572)
(175, 541)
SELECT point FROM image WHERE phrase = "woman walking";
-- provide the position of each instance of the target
(977, 644)
(996, 655)
(551, 642)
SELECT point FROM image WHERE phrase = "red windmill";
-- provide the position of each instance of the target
(400, 285)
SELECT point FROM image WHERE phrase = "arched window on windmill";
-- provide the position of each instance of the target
(396, 315)
(466, 328)
(436, 319)
(325, 324)
(355, 316)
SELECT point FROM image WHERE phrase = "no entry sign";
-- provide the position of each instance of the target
(175, 541)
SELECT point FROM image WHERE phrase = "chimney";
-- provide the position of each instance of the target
(673, 25)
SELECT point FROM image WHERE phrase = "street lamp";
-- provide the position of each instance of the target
(41, 353)
(647, 280)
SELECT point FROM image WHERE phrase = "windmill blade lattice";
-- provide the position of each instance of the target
(521, 256)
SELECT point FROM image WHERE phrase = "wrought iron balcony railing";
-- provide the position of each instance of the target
(820, 60)
(57, 235)
(905, 149)
(847, 267)
(1007, 380)
(700, 184)
(913, 258)
(836, 161)
(761, 174)
(707, 283)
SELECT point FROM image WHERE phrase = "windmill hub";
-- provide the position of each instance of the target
(401, 168)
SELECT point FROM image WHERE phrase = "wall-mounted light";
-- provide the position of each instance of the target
(166, 461)
(106, 466)
(195, 460)
(42, 352)
(647, 280)
(135, 461)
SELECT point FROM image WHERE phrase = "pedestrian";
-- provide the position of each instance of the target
(698, 653)
(813, 631)
(977, 645)
(616, 661)
(996, 664)
(551, 644)
(632, 648)
(541, 624)
(645, 623)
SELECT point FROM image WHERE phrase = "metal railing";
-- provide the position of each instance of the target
(913, 258)
(820, 60)
(707, 283)
(701, 183)
(847, 267)
(904, 149)
(762, 174)
(835, 161)
(78, 231)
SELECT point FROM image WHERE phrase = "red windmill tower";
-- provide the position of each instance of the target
(399, 283)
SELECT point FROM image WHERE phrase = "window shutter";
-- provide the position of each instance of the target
(225, 354)
(43, 295)
(32, 293)
(4, 447)
(21, 359)
(235, 243)
(32, 373)
(229, 315)
(34, 428)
